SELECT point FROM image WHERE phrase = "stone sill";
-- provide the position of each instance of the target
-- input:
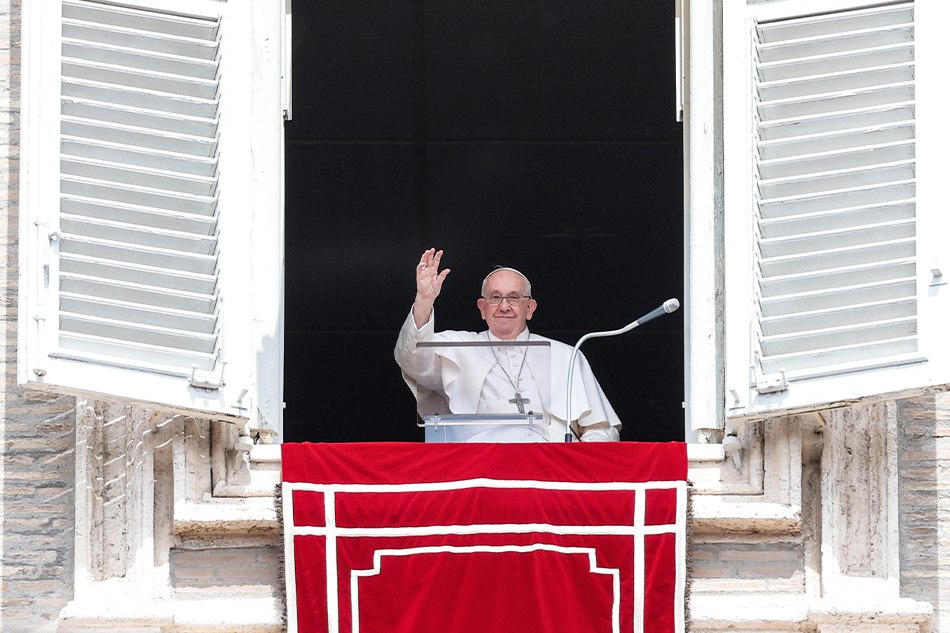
(236, 508)
(265, 453)
(250, 515)
(747, 612)
(260, 615)
(696, 452)
(757, 612)
(715, 514)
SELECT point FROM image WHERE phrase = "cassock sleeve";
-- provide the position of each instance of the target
(421, 367)
(600, 432)
(596, 418)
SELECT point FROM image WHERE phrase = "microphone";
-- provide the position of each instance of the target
(669, 306)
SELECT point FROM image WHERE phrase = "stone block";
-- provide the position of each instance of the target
(870, 627)
(216, 557)
(31, 556)
(23, 461)
(758, 556)
(268, 558)
(770, 571)
(711, 572)
(16, 614)
(35, 410)
(26, 444)
(18, 491)
(194, 573)
(50, 476)
(261, 573)
(34, 509)
(42, 396)
(36, 585)
(58, 427)
(728, 585)
(932, 455)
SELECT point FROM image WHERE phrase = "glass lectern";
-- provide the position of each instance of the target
(498, 391)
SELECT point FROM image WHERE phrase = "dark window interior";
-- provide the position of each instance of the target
(538, 134)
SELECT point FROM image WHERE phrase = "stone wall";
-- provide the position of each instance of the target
(37, 520)
(747, 563)
(245, 571)
(762, 559)
(37, 431)
(925, 502)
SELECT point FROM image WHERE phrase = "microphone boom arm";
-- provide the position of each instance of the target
(669, 306)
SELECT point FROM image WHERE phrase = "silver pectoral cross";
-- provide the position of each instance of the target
(520, 401)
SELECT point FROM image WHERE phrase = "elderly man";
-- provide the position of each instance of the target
(506, 306)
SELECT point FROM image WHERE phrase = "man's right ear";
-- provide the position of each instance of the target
(482, 304)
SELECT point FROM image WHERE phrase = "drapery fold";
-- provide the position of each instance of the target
(485, 537)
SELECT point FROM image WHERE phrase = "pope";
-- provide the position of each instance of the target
(483, 380)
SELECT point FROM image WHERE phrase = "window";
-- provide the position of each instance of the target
(151, 202)
(834, 284)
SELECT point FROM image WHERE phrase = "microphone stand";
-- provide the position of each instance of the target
(670, 305)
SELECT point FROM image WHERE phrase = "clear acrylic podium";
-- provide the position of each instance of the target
(513, 428)
(518, 416)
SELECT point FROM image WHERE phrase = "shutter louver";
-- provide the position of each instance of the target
(138, 265)
(834, 211)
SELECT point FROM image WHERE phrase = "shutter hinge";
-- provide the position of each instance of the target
(771, 383)
(209, 380)
(240, 406)
(286, 63)
(768, 383)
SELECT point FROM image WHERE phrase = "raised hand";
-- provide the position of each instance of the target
(428, 285)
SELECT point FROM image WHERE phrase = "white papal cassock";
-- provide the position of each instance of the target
(480, 380)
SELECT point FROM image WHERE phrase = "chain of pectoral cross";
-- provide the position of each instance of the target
(518, 400)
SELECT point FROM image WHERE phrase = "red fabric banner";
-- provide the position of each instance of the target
(485, 537)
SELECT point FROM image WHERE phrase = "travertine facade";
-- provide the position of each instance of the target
(117, 517)
(924, 450)
(823, 543)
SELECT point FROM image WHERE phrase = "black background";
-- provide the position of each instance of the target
(538, 134)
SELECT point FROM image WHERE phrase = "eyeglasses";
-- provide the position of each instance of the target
(514, 299)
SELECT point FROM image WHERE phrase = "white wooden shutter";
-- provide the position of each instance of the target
(141, 282)
(139, 186)
(825, 280)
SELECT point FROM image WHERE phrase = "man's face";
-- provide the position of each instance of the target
(504, 320)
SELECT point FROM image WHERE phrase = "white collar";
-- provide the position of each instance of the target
(522, 336)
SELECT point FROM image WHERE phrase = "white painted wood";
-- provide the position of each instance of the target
(155, 268)
(286, 73)
(831, 185)
(704, 393)
(266, 250)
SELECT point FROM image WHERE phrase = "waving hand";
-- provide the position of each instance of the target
(428, 285)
